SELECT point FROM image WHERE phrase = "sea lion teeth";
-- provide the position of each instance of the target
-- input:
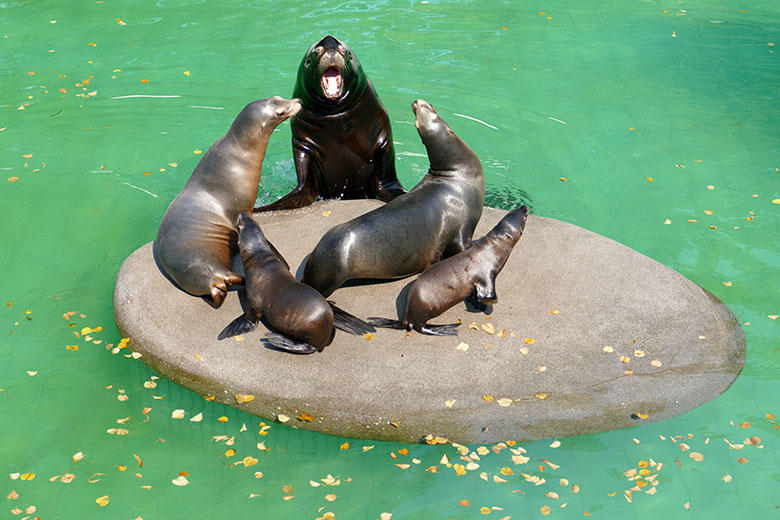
(331, 83)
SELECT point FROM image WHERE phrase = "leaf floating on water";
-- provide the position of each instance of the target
(344, 446)
(102, 501)
(695, 455)
(197, 418)
(181, 480)
(726, 478)
(555, 444)
(177, 414)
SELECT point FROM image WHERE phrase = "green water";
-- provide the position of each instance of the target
(606, 96)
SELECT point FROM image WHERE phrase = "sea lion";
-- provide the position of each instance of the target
(434, 220)
(471, 273)
(197, 237)
(342, 141)
(303, 316)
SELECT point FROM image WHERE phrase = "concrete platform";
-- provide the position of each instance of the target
(598, 337)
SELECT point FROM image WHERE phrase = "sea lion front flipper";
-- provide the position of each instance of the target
(386, 182)
(486, 291)
(289, 345)
(304, 193)
(240, 325)
(451, 329)
(386, 323)
(347, 322)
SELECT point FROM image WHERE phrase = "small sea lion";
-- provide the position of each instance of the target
(305, 319)
(196, 240)
(471, 273)
(435, 220)
(342, 141)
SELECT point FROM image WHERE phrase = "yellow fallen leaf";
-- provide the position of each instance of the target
(449, 403)
(102, 501)
(282, 418)
(504, 402)
(529, 341)
(463, 347)
(540, 395)
(181, 480)
(656, 363)
(488, 327)
(330, 497)
(27, 476)
(243, 398)
(197, 418)
(250, 461)
(555, 444)
(487, 397)
(344, 446)
(695, 455)
(177, 414)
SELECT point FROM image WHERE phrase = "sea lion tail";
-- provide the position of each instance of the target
(240, 325)
(386, 323)
(347, 322)
(279, 342)
(451, 329)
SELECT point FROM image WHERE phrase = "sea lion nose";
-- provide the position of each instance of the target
(329, 43)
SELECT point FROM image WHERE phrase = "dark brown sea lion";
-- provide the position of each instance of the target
(471, 273)
(303, 316)
(435, 220)
(342, 141)
(197, 235)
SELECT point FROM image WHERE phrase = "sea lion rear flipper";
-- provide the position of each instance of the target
(347, 322)
(451, 329)
(386, 323)
(289, 345)
(240, 325)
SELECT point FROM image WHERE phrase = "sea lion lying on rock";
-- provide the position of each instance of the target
(471, 273)
(433, 221)
(305, 319)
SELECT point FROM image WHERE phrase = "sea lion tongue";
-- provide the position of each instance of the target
(331, 82)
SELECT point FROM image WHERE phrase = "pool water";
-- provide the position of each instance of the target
(654, 123)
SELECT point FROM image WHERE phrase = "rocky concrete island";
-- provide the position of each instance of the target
(587, 336)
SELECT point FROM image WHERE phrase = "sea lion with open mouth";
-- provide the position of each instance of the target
(342, 141)
(196, 240)
(471, 273)
(434, 220)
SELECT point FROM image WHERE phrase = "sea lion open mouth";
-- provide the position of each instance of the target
(332, 83)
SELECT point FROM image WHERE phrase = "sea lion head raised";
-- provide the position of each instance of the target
(330, 74)
(445, 149)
